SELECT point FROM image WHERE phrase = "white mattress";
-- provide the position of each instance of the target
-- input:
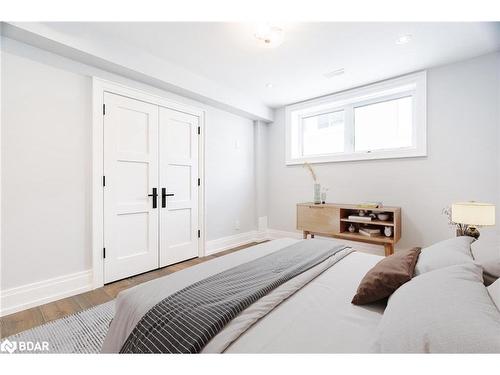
(319, 318)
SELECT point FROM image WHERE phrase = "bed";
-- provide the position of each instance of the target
(315, 313)
(317, 318)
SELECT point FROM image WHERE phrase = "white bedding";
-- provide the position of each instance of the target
(317, 318)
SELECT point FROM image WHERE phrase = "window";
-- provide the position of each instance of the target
(383, 125)
(323, 134)
(384, 120)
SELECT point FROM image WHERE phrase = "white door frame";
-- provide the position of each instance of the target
(99, 87)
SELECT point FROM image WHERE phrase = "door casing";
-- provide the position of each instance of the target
(99, 87)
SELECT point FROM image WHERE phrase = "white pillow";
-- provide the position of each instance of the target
(494, 291)
(446, 253)
(447, 310)
(485, 249)
(491, 270)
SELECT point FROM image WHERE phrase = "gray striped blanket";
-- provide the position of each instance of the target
(187, 320)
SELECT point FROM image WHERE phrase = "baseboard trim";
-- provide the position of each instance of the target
(226, 243)
(274, 234)
(35, 294)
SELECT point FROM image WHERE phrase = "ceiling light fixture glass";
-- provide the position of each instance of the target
(269, 36)
(269, 85)
(404, 39)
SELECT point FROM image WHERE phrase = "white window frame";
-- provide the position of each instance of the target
(414, 85)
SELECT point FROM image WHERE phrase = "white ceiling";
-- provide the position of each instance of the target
(229, 54)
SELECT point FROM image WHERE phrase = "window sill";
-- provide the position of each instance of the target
(376, 155)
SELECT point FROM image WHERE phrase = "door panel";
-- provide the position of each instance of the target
(179, 176)
(131, 170)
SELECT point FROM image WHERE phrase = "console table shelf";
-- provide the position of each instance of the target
(372, 222)
(332, 220)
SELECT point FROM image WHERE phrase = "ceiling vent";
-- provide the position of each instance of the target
(334, 73)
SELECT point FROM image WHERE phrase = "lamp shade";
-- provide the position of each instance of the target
(473, 213)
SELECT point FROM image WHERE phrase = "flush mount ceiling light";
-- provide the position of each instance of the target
(269, 36)
(269, 85)
(404, 39)
(334, 73)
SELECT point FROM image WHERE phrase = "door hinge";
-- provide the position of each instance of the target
(104, 109)
(199, 233)
(199, 182)
(199, 130)
(103, 180)
(104, 253)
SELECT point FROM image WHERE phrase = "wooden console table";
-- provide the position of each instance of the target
(332, 220)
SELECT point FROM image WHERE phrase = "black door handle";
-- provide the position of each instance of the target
(164, 196)
(155, 196)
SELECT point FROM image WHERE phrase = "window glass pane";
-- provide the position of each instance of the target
(323, 134)
(383, 125)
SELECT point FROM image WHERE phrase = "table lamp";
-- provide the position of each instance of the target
(471, 215)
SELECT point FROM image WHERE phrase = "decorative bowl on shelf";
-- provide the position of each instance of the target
(383, 216)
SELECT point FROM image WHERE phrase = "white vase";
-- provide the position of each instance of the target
(317, 193)
(388, 231)
(323, 197)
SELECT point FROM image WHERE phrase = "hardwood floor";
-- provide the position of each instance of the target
(23, 320)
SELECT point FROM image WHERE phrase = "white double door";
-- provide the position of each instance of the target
(150, 187)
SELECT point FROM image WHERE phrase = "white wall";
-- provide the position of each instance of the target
(462, 162)
(46, 159)
(230, 175)
(261, 171)
(46, 137)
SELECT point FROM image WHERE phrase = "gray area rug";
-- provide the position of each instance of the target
(82, 332)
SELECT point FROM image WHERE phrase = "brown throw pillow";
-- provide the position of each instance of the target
(387, 276)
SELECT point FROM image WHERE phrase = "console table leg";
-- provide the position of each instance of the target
(388, 249)
(305, 235)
